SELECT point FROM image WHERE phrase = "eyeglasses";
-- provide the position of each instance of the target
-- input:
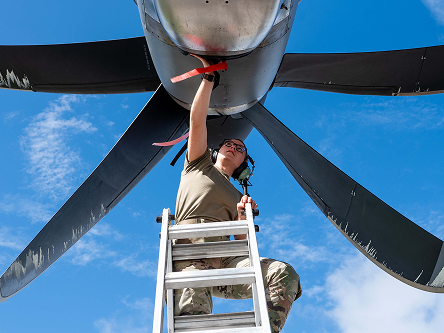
(239, 148)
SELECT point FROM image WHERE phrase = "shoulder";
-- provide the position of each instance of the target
(201, 162)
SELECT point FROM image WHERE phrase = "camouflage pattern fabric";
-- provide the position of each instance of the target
(282, 287)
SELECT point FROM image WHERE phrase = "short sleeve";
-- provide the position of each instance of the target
(199, 163)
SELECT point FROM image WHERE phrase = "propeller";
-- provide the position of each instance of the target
(130, 160)
(121, 170)
(387, 238)
(400, 72)
(107, 67)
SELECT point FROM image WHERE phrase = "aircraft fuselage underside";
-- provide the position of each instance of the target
(252, 62)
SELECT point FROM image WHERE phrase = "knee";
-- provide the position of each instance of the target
(286, 279)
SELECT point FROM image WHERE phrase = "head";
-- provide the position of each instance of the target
(232, 153)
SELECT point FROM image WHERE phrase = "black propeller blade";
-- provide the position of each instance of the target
(126, 164)
(407, 72)
(108, 67)
(390, 240)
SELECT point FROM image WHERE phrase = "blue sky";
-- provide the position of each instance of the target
(106, 283)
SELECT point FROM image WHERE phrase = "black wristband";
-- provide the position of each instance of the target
(208, 77)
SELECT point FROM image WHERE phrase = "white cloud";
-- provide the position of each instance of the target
(52, 162)
(363, 298)
(22, 206)
(105, 229)
(136, 320)
(281, 236)
(137, 267)
(144, 304)
(87, 250)
(96, 246)
(437, 9)
(399, 114)
(11, 115)
(10, 240)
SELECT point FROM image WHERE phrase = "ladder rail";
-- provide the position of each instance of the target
(259, 283)
(160, 284)
(170, 292)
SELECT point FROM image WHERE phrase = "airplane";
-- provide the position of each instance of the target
(187, 63)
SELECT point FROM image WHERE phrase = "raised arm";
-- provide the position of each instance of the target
(197, 141)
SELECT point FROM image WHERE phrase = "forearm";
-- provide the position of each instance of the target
(197, 142)
(199, 108)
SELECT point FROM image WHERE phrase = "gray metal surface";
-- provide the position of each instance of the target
(387, 238)
(222, 320)
(210, 250)
(209, 278)
(212, 229)
(217, 27)
(126, 164)
(245, 82)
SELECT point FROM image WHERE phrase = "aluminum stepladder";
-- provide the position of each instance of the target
(239, 322)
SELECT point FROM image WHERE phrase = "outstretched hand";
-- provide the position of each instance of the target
(204, 61)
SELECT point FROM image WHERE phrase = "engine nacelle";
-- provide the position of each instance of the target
(223, 28)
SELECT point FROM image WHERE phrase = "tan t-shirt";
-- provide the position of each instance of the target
(205, 192)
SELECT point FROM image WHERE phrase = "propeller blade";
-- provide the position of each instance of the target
(107, 67)
(402, 72)
(126, 164)
(390, 240)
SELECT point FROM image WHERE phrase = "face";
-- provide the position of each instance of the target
(234, 150)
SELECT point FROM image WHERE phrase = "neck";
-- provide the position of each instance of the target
(228, 169)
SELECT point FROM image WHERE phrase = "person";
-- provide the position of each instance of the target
(206, 195)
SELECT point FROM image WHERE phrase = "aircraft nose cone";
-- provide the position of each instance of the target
(217, 27)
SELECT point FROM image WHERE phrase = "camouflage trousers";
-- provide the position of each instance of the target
(282, 287)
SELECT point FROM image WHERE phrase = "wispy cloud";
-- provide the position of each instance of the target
(398, 114)
(96, 247)
(36, 211)
(366, 299)
(10, 115)
(87, 250)
(105, 229)
(10, 240)
(137, 267)
(437, 9)
(52, 162)
(280, 235)
(137, 318)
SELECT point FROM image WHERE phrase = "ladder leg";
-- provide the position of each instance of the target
(258, 287)
(170, 292)
(160, 285)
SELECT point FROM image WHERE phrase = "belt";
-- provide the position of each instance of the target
(195, 221)
(191, 221)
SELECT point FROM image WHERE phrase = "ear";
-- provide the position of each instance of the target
(242, 171)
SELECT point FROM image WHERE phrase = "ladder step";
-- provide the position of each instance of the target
(208, 229)
(210, 250)
(214, 321)
(209, 278)
(227, 330)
